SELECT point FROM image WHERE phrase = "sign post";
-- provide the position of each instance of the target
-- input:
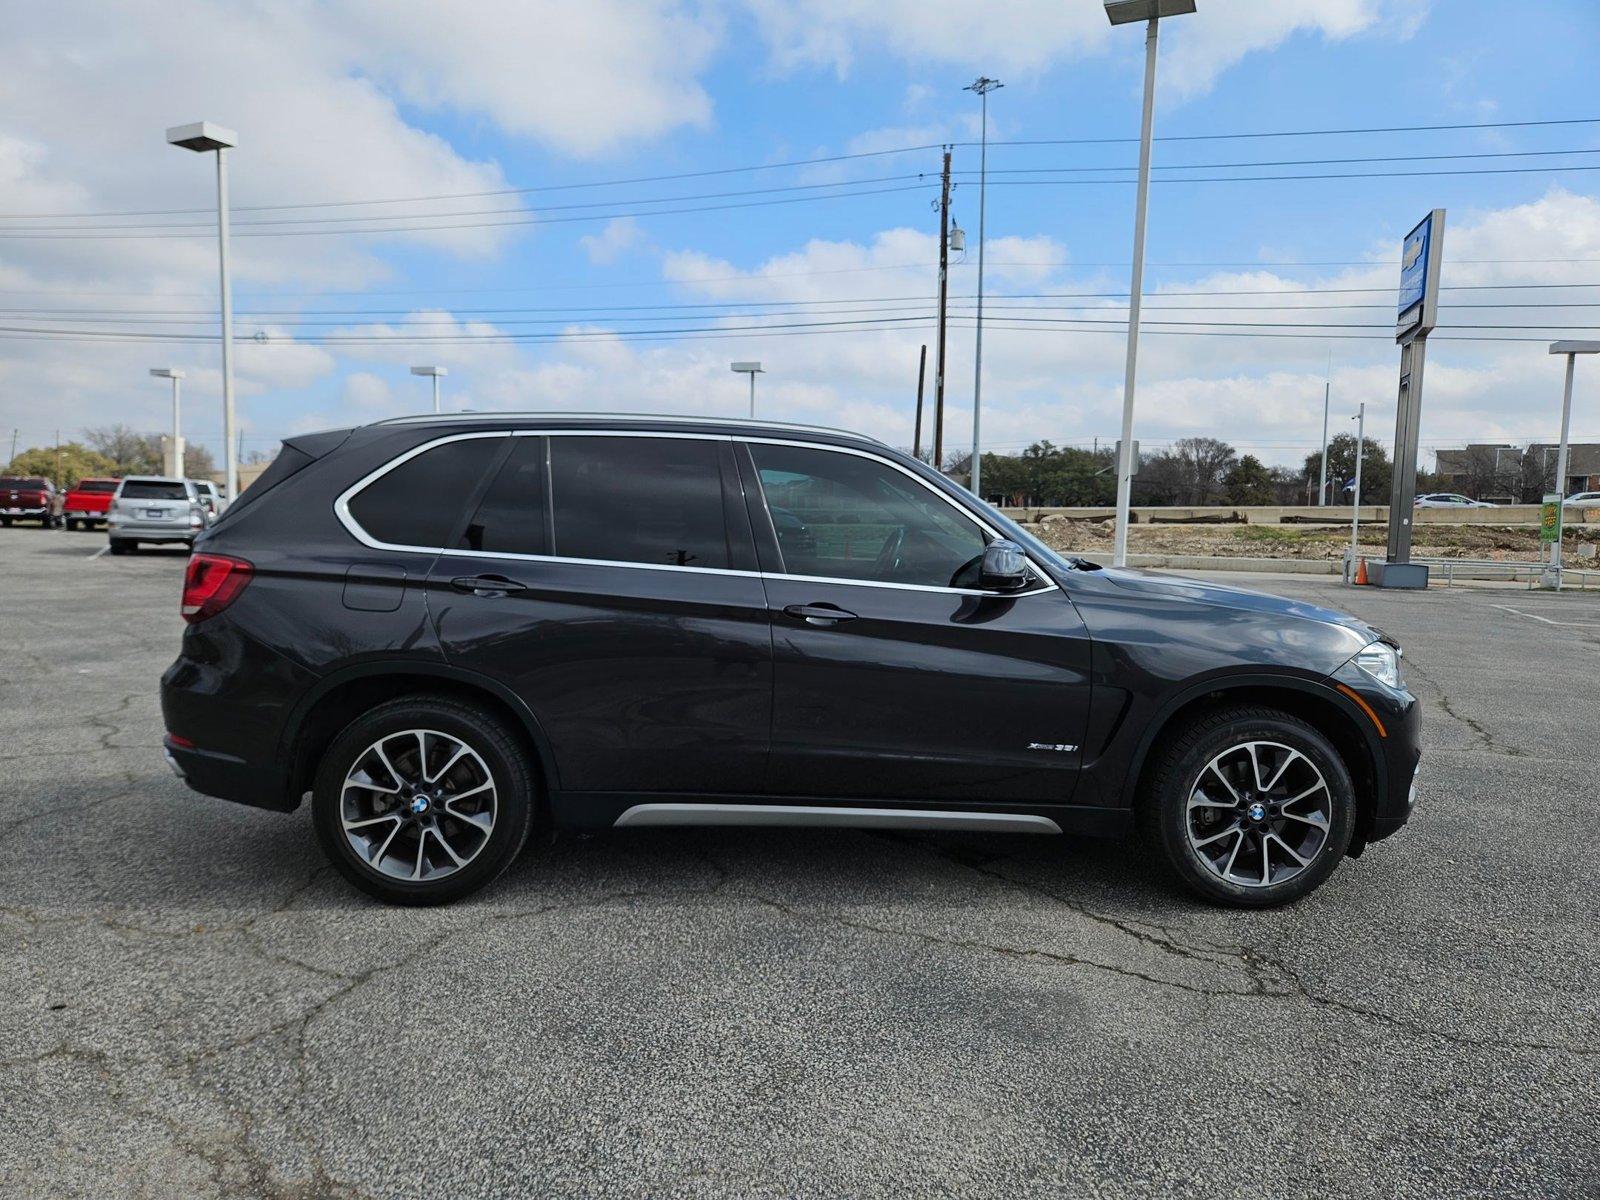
(1417, 314)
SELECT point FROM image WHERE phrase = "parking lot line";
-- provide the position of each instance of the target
(100, 551)
(1546, 620)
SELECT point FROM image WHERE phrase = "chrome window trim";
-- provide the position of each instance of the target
(341, 510)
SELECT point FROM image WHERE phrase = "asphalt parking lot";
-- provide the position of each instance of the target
(195, 1005)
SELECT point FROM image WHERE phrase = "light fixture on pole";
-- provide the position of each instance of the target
(174, 374)
(1552, 577)
(751, 369)
(434, 373)
(203, 137)
(983, 86)
(1122, 12)
(1355, 507)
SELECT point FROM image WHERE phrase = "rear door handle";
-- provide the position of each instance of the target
(819, 614)
(487, 585)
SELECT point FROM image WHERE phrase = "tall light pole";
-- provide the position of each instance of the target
(1355, 509)
(435, 373)
(174, 374)
(201, 137)
(751, 369)
(1122, 12)
(1322, 495)
(983, 86)
(1571, 350)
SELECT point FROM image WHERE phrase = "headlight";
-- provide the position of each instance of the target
(1382, 662)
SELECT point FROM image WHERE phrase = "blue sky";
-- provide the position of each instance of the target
(362, 101)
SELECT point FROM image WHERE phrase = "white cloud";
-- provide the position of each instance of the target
(620, 235)
(1027, 37)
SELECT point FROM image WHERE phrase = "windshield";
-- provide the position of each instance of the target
(153, 489)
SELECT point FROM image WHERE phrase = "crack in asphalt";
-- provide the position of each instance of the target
(1259, 969)
(1485, 736)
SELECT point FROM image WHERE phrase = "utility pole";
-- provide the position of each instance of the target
(58, 458)
(13, 457)
(1322, 495)
(922, 370)
(983, 85)
(944, 302)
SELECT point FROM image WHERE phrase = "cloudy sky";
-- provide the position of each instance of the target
(597, 204)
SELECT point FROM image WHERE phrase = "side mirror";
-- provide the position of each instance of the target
(1004, 568)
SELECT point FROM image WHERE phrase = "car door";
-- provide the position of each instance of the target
(609, 580)
(894, 676)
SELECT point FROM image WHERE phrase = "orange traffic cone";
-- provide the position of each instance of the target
(1361, 572)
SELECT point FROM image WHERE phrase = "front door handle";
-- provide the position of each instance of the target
(487, 585)
(819, 614)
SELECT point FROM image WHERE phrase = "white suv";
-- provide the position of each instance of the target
(154, 508)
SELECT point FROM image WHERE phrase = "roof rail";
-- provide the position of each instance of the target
(427, 418)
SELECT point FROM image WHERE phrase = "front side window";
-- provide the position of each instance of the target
(639, 500)
(843, 516)
(419, 502)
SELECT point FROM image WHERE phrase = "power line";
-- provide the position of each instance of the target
(832, 158)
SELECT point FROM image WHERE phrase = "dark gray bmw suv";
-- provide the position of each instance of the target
(451, 630)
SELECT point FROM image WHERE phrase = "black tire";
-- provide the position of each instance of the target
(516, 793)
(1175, 771)
(123, 546)
(5, 522)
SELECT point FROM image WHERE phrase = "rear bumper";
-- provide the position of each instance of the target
(227, 777)
(144, 532)
(25, 513)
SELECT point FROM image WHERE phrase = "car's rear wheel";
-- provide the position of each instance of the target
(424, 800)
(1251, 807)
(123, 546)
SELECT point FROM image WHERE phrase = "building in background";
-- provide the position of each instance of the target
(1507, 473)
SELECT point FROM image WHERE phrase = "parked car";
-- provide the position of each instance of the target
(29, 498)
(1451, 500)
(210, 498)
(451, 630)
(154, 508)
(87, 501)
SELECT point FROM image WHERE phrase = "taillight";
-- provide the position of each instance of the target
(212, 582)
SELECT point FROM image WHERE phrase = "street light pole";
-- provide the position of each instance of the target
(175, 375)
(983, 86)
(1121, 12)
(434, 373)
(1322, 494)
(202, 137)
(1355, 508)
(1571, 349)
(751, 369)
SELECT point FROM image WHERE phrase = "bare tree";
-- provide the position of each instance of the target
(1204, 462)
(131, 453)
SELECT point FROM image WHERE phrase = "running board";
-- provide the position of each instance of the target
(835, 818)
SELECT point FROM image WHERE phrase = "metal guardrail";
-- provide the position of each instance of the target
(1507, 569)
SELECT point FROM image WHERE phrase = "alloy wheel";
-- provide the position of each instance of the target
(1259, 814)
(417, 805)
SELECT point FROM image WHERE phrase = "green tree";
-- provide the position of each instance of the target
(129, 452)
(1376, 470)
(1249, 482)
(71, 463)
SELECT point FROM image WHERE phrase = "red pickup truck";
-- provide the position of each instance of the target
(29, 498)
(87, 503)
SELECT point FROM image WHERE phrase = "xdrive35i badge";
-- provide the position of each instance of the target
(1058, 747)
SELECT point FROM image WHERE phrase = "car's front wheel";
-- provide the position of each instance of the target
(1251, 807)
(423, 800)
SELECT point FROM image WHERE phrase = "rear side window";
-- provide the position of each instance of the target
(97, 487)
(20, 482)
(419, 502)
(153, 489)
(640, 500)
(512, 517)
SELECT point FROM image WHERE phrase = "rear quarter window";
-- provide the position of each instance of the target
(420, 502)
(153, 489)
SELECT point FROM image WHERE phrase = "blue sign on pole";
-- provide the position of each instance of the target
(1419, 276)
